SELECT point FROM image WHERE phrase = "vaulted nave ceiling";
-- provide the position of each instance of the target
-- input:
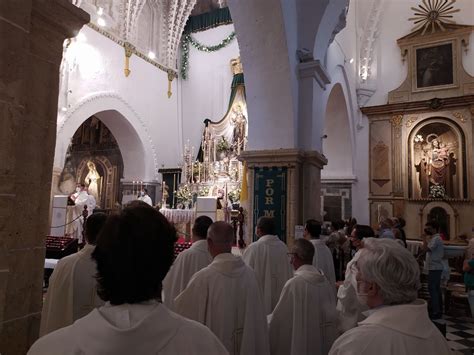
(154, 27)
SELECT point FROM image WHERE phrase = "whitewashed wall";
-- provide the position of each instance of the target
(206, 91)
(147, 126)
(389, 72)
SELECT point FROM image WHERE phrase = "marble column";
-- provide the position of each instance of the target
(303, 184)
(31, 41)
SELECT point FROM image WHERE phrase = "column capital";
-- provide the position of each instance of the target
(283, 157)
(314, 69)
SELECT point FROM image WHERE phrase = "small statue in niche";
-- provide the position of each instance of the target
(239, 121)
(436, 168)
(93, 180)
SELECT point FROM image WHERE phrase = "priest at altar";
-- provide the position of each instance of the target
(226, 298)
(188, 262)
(305, 319)
(74, 218)
(268, 258)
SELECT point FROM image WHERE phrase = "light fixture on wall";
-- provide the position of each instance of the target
(64, 109)
(151, 55)
(100, 11)
(351, 60)
(101, 22)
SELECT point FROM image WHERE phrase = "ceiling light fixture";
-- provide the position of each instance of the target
(151, 55)
(101, 22)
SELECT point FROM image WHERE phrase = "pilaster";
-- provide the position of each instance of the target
(302, 185)
(31, 40)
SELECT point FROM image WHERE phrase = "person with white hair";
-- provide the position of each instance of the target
(304, 320)
(397, 323)
(226, 298)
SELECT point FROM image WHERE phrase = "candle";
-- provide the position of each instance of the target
(215, 146)
(378, 213)
(174, 189)
(199, 171)
(133, 187)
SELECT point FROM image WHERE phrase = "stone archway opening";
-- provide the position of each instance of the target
(337, 176)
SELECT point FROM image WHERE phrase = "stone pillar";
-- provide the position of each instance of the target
(32, 34)
(303, 185)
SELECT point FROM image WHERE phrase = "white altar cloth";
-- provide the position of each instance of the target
(179, 216)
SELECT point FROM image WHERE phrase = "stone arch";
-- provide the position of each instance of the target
(338, 146)
(128, 128)
(332, 22)
(450, 211)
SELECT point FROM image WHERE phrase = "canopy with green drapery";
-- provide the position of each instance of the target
(208, 20)
(222, 126)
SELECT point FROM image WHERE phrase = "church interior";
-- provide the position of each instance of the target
(339, 111)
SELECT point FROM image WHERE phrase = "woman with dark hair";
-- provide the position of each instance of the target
(133, 254)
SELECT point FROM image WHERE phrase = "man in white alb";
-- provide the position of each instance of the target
(323, 259)
(226, 298)
(188, 262)
(145, 197)
(387, 282)
(134, 251)
(72, 286)
(268, 258)
(304, 320)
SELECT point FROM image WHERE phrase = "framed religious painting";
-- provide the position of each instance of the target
(434, 66)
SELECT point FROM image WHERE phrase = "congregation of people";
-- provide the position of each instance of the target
(353, 291)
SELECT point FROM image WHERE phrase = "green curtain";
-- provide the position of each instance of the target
(208, 20)
(236, 81)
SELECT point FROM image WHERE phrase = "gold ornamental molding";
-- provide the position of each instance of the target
(134, 50)
(460, 116)
(410, 121)
(396, 121)
(433, 15)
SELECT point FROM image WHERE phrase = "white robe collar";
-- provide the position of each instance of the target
(268, 238)
(310, 274)
(200, 245)
(228, 264)
(410, 319)
(150, 322)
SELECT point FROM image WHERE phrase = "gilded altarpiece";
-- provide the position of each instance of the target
(421, 142)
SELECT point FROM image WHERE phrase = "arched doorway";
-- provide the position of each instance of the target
(93, 144)
(338, 175)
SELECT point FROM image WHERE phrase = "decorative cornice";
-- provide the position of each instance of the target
(316, 70)
(135, 51)
(283, 157)
(415, 106)
(103, 95)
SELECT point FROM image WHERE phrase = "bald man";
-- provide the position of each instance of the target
(226, 298)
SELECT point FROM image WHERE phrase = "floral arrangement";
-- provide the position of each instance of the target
(223, 145)
(203, 191)
(437, 191)
(184, 194)
(234, 195)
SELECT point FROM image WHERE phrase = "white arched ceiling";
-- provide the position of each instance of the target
(127, 127)
(337, 147)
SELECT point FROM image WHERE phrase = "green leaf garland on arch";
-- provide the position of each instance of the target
(188, 39)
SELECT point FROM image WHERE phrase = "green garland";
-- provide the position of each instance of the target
(188, 39)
